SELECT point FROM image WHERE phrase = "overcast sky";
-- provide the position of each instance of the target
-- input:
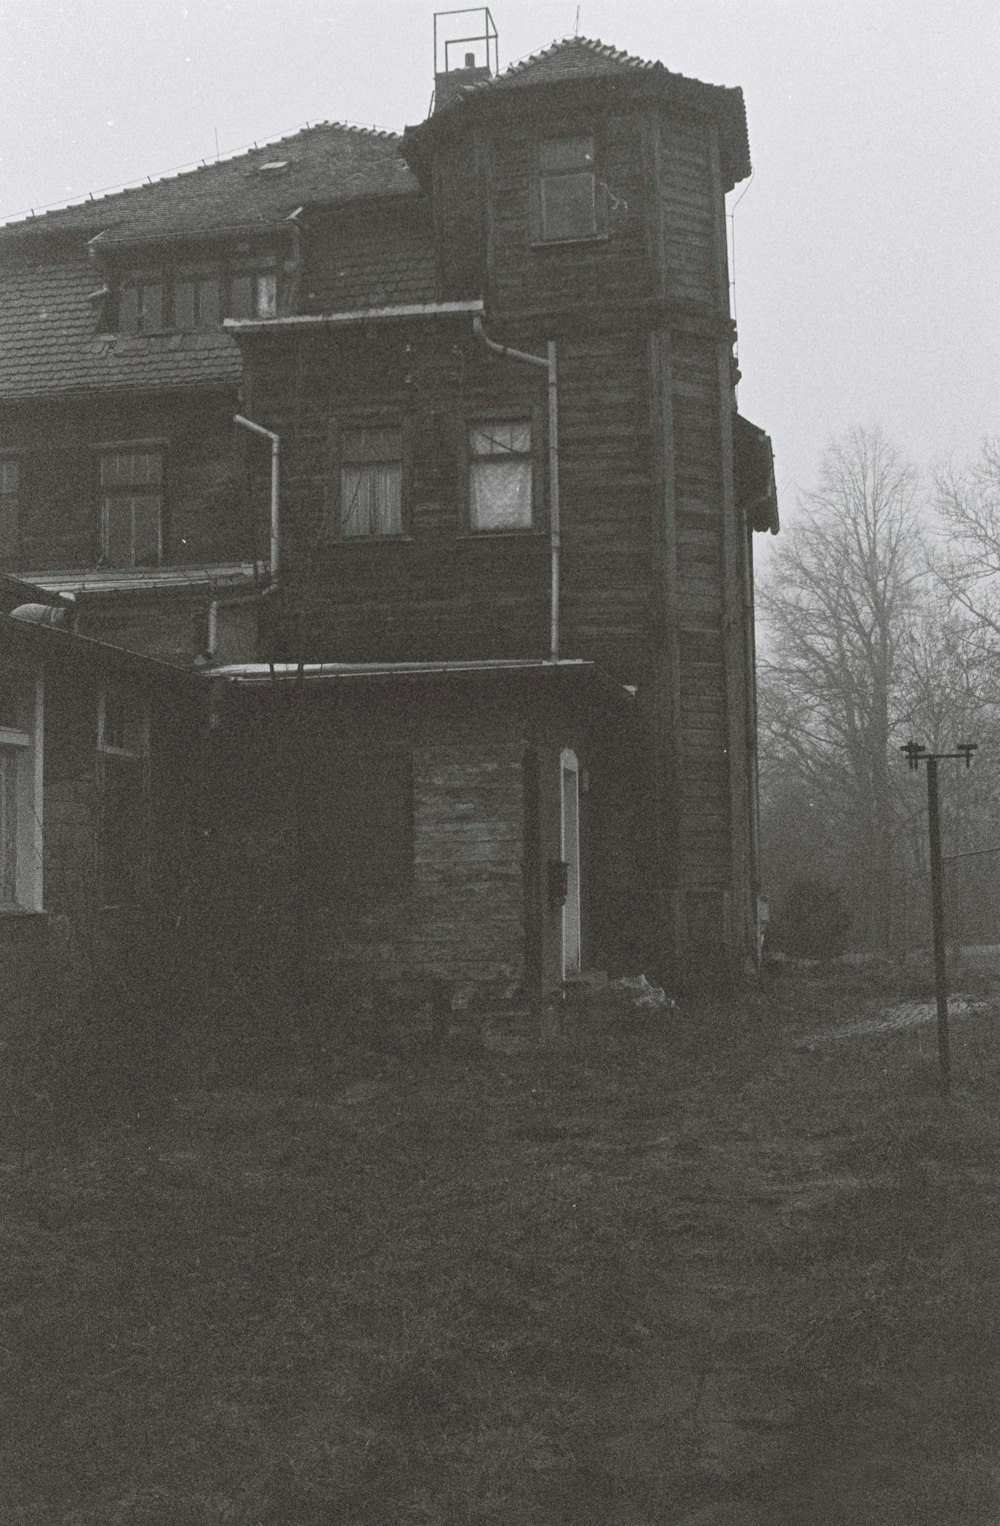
(867, 243)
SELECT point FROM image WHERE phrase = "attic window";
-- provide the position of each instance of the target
(189, 296)
(570, 202)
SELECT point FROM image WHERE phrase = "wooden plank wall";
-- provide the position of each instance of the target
(439, 591)
(590, 276)
(688, 212)
(705, 813)
(468, 902)
(205, 513)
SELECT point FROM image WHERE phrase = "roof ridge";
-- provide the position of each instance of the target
(592, 44)
(130, 188)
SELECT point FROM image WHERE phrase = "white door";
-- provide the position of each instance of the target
(570, 849)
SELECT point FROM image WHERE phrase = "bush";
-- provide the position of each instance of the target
(813, 922)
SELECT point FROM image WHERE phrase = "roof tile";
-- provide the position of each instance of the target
(330, 162)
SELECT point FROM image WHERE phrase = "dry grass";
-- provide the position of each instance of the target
(723, 1269)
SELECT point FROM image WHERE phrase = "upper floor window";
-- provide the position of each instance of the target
(131, 489)
(254, 296)
(571, 204)
(198, 295)
(10, 488)
(371, 482)
(197, 298)
(500, 475)
(140, 303)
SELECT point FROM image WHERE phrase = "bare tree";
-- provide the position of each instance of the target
(836, 608)
(967, 559)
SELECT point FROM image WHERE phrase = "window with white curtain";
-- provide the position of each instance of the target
(500, 475)
(371, 482)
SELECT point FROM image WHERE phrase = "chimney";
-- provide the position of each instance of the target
(448, 86)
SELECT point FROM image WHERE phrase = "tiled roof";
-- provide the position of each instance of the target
(48, 342)
(327, 163)
(572, 58)
(585, 58)
(48, 329)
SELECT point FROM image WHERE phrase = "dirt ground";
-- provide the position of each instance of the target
(732, 1265)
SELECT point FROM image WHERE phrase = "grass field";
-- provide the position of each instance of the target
(724, 1267)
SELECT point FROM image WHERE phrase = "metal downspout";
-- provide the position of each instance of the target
(275, 489)
(548, 363)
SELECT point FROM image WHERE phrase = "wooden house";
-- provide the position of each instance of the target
(423, 453)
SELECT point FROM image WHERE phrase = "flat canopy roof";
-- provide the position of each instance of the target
(351, 684)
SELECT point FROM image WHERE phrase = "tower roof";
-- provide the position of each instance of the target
(582, 61)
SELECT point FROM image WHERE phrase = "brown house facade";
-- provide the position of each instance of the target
(422, 454)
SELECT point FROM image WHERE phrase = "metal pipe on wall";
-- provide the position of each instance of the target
(275, 440)
(548, 363)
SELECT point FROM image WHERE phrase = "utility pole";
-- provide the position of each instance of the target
(915, 755)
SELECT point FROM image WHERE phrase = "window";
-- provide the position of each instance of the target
(197, 295)
(197, 299)
(371, 482)
(122, 778)
(571, 204)
(20, 794)
(10, 483)
(254, 296)
(131, 485)
(500, 475)
(140, 305)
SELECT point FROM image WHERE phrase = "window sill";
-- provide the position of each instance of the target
(367, 540)
(477, 535)
(560, 243)
(22, 927)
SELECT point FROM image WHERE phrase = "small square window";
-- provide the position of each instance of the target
(371, 482)
(500, 475)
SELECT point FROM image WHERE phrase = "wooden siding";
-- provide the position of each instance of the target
(460, 217)
(688, 211)
(613, 272)
(439, 591)
(701, 509)
(204, 511)
(468, 900)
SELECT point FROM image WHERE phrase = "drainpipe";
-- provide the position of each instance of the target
(548, 363)
(275, 486)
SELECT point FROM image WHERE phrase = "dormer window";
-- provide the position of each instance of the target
(188, 297)
(254, 296)
(197, 298)
(571, 204)
(140, 305)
